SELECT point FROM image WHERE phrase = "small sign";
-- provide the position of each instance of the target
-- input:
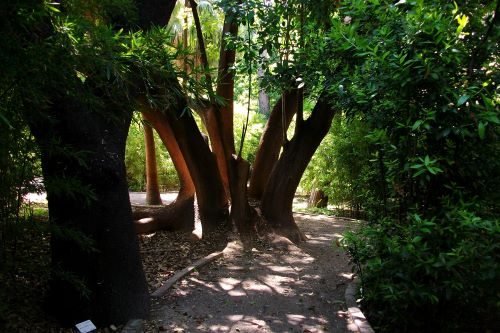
(85, 326)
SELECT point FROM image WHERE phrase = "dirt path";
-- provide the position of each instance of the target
(276, 288)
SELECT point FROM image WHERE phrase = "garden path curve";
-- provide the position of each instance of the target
(277, 287)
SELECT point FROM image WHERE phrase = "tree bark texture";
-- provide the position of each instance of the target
(152, 189)
(179, 215)
(225, 82)
(83, 166)
(278, 196)
(200, 161)
(317, 199)
(164, 130)
(271, 142)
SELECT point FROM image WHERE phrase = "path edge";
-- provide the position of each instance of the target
(355, 313)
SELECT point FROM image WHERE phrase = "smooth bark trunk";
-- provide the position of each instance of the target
(200, 161)
(271, 142)
(278, 196)
(152, 189)
(179, 215)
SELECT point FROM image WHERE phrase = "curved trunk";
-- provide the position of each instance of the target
(152, 189)
(271, 142)
(96, 270)
(179, 215)
(278, 196)
(164, 130)
(210, 195)
(201, 163)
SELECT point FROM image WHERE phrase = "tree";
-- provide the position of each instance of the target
(216, 113)
(152, 189)
(81, 121)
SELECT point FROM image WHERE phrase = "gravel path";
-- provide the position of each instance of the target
(277, 287)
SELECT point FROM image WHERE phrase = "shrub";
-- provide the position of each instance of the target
(429, 275)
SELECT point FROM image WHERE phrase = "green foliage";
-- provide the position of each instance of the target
(49, 51)
(422, 78)
(255, 128)
(438, 274)
(135, 161)
(339, 165)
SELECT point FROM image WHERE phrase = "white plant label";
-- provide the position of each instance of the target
(85, 326)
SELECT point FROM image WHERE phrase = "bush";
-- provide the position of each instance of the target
(429, 275)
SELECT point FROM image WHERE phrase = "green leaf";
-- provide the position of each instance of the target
(6, 121)
(417, 124)
(481, 129)
(462, 99)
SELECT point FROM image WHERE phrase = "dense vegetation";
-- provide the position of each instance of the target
(413, 146)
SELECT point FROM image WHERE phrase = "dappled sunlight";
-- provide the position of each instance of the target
(236, 293)
(205, 284)
(348, 276)
(252, 285)
(267, 289)
(295, 319)
(228, 283)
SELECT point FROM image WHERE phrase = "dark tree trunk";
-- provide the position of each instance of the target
(201, 162)
(83, 165)
(271, 142)
(210, 195)
(152, 189)
(154, 12)
(278, 196)
(317, 199)
(179, 215)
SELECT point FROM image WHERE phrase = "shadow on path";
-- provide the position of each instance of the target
(275, 288)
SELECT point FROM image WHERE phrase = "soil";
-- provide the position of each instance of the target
(275, 287)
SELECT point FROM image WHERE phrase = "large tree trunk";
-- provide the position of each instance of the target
(200, 161)
(225, 82)
(210, 195)
(152, 189)
(96, 270)
(219, 122)
(271, 142)
(278, 196)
